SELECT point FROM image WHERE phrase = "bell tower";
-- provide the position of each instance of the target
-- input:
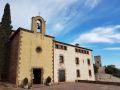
(38, 25)
(98, 61)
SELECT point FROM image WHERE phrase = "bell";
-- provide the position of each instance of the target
(38, 26)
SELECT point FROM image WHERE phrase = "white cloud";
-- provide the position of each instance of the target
(108, 34)
(58, 27)
(23, 10)
(53, 11)
(112, 48)
(92, 3)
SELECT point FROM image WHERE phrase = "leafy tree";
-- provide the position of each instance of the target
(95, 68)
(5, 32)
(112, 70)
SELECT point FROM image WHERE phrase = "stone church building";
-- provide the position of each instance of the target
(37, 56)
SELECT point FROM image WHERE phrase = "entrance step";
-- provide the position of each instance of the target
(38, 85)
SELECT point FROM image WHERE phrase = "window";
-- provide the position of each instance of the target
(84, 51)
(98, 62)
(78, 73)
(88, 60)
(81, 51)
(65, 47)
(76, 50)
(56, 46)
(87, 52)
(38, 49)
(90, 74)
(60, 46)
(61, 59)
(77, 60)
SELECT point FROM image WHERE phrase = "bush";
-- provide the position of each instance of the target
(95, 68)
(112, 70)
(25, 81)
(48, 80)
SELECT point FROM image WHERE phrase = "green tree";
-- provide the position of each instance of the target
(5, 32)
(112, 70)
(95, 69)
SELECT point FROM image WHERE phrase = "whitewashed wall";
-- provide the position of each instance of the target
(70, 65)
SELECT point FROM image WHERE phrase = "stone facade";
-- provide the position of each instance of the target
(35, 51)
(70, 65)
(14, 57)
(34, 56)
(30, 58)
(98, 61)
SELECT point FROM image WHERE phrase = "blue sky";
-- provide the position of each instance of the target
(93, 24)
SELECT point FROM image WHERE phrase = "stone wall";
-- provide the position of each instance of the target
(106, 78)
(14, 53)
(30, 58)
(70, 65)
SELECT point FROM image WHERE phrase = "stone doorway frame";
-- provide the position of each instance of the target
(32, 75)
(59, 75)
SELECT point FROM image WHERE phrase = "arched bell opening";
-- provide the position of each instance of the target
(39, 26)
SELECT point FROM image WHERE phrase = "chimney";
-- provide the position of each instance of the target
(77, 44)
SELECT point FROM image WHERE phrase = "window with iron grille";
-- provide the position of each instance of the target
(61, 59)
(78, 73)
(56, 46)
(77, 60)
(90, 74)
(88, 61)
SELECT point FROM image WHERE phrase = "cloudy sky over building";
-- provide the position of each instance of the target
(93, 24)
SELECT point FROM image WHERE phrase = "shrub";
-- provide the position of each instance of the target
(25, 81)
(95, 68)
(48, 80)
(112, 70)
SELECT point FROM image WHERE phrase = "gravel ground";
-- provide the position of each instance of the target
(77, 86)
(69, 86)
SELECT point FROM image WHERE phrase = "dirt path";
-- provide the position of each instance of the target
(69, 86)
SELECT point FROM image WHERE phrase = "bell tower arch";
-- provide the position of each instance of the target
(38, 25)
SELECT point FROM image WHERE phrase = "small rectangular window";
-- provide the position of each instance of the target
(75, 49)
(78, 73)
(65, 47)
(60, 46)
(82, 51)
(87, 52)
(77, 60)
(90, 74)
(56, 46)
(61, 59)
(79, 50)
(88, 61)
